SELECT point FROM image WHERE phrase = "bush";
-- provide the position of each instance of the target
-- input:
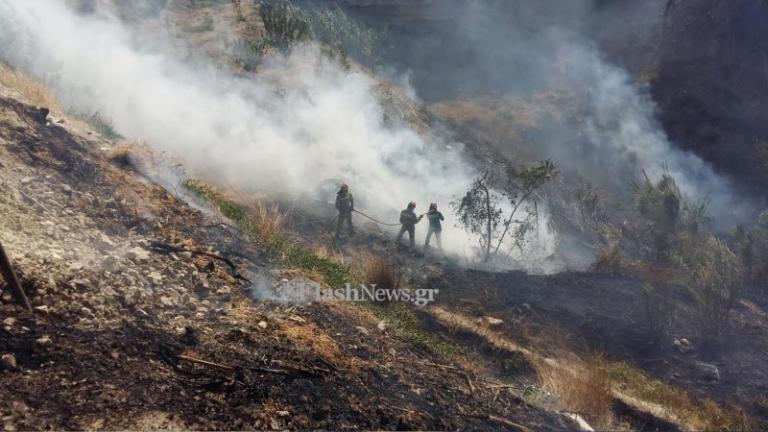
(286, 24)
(717, 279)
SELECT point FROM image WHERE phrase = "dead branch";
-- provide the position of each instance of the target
(469, 383)
(10, 278)
(203, 362)
(232, 368)
(169, 248)
(500, 420)
(423, 413)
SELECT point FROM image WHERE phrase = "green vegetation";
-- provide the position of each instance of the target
(286, 25)
(408, 327)
(263, 224)
(99, 123)
(668, 244)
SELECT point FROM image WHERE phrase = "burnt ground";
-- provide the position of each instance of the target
(120, 327)
(607, 314)
(126, 335)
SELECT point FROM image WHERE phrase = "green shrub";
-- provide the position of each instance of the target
(286, 24)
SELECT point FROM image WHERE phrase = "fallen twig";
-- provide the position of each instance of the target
(232, 368)
(469, 383)
(10, 278)
(204, 362)
(413, 412)
(168, 248)
(500, 420)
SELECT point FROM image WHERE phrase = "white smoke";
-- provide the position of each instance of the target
(303, 121)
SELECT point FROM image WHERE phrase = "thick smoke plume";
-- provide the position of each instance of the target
(313, 122)
(304, 119)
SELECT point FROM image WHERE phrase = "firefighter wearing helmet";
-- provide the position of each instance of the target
(345, 204)
(435, 226)
(408, 221)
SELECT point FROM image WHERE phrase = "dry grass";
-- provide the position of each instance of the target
(698, 414)
(32, 90)
(378, 270)
(122, 153)
(268, 221)
(589, 385)
(584, 388)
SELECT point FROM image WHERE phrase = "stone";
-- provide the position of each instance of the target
(363, 330)
(9, 361)
(262, 325)
(110, 264)
(707, 371)
(156, 277)
(138, 254)
(166, 301)
(491, 321)
(104, 243)
(10, 321)
(44, 340)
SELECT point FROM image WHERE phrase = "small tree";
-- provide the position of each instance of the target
(521, 188)
(479, 213)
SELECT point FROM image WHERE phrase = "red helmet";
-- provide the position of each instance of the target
(433, 206)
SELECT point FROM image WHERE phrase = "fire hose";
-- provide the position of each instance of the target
(378, 221)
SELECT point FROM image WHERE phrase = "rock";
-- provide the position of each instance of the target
(156, 277)
(707, 371)
(110, 264)
(363, 330)
(283, 413)
(79, 284)
(262, 325)
(138, 254)
(44, 340)
(382, 325)
(27, 180)
(9, 361)
(10, 321)
(166, 301)
(43, 309)
(683, 345)
(491, 321)
(104, 243)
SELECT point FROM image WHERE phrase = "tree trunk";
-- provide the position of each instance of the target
(10, 278)
(490, 220)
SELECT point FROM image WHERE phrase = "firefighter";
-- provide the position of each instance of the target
(345, 204)
(435, 225)
(408, 221)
